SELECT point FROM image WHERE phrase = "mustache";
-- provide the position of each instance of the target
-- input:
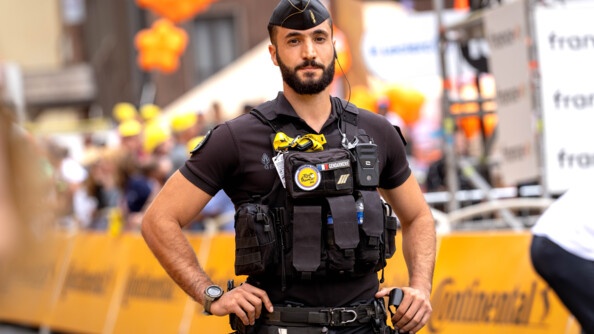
(309, 63)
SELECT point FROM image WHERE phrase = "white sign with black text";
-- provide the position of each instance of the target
(565, 40)
(506, 34)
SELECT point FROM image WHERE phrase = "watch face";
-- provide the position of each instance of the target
(214, 291)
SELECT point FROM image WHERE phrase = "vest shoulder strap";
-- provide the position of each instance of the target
(347, 112)
(267, 115)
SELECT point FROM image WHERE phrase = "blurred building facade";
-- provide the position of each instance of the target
(80, 54)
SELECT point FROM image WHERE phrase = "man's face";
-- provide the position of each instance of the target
(305, 58)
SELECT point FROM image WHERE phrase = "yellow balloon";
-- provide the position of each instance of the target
(364, 98)
(124, 111)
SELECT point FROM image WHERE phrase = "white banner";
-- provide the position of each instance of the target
(565, 40)
(506, 35)
(396, 49)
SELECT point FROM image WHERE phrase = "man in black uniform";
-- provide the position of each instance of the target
(295, 167)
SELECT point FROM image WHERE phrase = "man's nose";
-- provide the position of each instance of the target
(309, 51)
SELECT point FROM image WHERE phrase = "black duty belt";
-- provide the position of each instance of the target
(333, 317)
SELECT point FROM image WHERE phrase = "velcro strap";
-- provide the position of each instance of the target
(373, 218)
(246, 242)
(247, 258)
(344, 214)
(307, 237)
(250, 258)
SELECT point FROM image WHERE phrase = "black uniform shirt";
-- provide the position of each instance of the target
(237, 157)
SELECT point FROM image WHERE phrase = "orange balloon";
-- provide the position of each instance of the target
(168, 63)
(407, 102)
(160, 46)
(175, 10)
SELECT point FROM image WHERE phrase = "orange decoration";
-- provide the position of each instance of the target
(161, 46)
(343, 60)
(175, 10)
(490, 123)
(407, 102)
(461, 4)
(470, 124)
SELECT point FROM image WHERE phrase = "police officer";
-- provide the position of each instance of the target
(295, 167)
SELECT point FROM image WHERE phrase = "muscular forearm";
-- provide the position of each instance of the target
(171, 247)
(418, 247)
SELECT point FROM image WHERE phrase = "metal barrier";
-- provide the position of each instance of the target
(446, 222)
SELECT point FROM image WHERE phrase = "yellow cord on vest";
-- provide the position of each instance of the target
(305, 143)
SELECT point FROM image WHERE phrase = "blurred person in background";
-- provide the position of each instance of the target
(125, 111)
(101, 185)
(215, 118)
(437, 172)
(184, 127)
(562, 250)
(25, 214)
(150, 113)
(131, 141)
(136, 188)
(325, 278)
(132, 179)
(69, 177)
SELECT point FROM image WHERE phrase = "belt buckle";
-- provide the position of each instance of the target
(335, 315)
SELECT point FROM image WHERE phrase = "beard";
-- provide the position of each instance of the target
(308, 86)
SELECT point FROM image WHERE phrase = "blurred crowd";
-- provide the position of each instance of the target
(109, 185)
(117, 183)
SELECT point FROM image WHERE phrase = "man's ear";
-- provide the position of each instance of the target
(272, 51)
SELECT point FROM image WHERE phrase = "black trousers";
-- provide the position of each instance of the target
(570, 276)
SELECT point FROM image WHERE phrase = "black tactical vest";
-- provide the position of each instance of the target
(327, 220)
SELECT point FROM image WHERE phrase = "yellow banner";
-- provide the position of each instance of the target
(85, 296)
(29, 283)
(484, 283)
(217, 255)
(96, 283)
(150, 301)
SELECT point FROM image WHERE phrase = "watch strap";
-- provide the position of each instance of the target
(207, 303)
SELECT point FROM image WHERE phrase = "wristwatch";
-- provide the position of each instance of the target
(211, 294)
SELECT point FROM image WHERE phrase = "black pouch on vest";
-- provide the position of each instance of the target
(372, 231)
(255, 240)
(319, 174)
(342, 235)
(390, 231)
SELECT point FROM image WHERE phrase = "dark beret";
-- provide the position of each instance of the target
(299, 14)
